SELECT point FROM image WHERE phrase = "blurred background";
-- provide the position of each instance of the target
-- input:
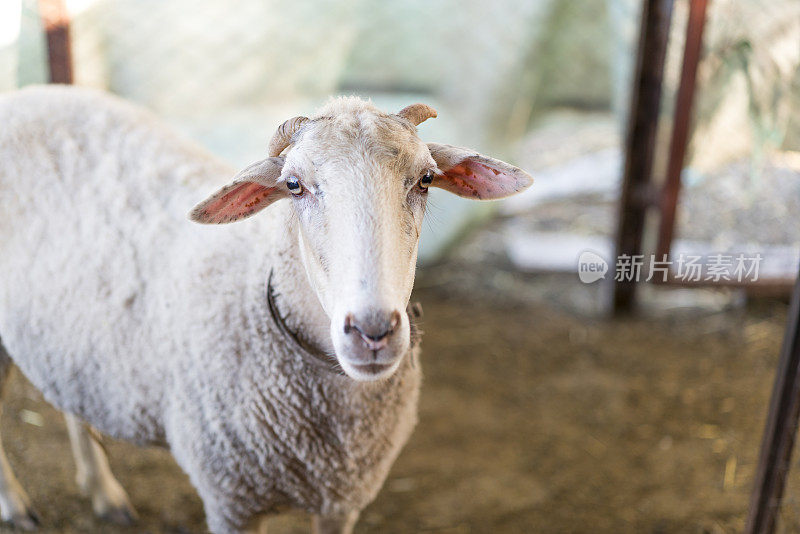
(539, 412)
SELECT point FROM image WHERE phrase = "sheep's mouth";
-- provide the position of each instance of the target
(372, 368)
(369, 372)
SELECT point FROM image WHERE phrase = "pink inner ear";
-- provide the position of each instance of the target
(471, 178)
(240, 201)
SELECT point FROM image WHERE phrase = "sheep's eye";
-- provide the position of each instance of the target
(294, 185)
(426, 179)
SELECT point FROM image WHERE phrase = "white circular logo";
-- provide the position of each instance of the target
(591, 267)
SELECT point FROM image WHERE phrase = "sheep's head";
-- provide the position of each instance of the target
(358, 179)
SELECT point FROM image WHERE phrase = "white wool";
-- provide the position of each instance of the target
(156, 330)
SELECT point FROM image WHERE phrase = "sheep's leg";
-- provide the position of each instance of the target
(15, 506)
(94, 476)
(334, 524)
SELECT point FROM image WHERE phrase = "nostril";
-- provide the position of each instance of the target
(348, 323)
(373, 331)
(376, 337)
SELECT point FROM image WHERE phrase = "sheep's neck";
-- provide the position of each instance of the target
(297, 301)
(296, 339)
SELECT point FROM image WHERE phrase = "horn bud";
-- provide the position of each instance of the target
(416, 114)
(283, 135)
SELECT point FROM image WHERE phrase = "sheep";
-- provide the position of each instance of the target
(274, 358)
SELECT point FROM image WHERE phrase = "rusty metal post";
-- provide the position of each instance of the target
(55, 19)
(780, 430)
(641, 139)
(681, 125)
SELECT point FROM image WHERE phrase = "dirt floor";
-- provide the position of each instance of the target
(532, 419)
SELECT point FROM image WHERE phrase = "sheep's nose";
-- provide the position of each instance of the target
(374, 327)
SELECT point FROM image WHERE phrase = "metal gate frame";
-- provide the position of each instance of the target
(640, 194)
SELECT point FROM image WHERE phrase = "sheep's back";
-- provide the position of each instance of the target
(94, 194)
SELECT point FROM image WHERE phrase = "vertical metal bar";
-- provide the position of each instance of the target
(55, 19)
(780, 430)
(681, 124)
(641, 138)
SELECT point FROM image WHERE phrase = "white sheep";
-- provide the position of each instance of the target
(293, 393)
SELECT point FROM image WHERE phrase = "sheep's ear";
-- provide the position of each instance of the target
(471, 175)
(252, 190)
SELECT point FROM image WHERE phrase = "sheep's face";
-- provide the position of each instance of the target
(360, 184)
(358, 180)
